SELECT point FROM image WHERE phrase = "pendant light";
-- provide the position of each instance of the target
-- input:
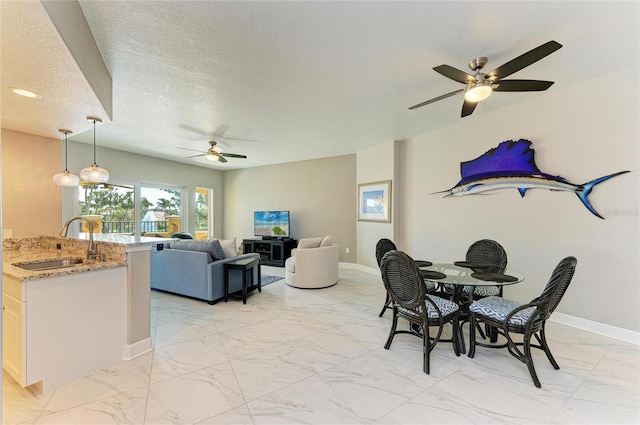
(66, 178)
(93, 173)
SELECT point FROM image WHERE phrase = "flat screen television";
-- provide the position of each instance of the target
(271, 224)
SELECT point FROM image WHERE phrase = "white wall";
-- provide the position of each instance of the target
(581, 133)
(31, 200)
(320, 195)
(373, 165)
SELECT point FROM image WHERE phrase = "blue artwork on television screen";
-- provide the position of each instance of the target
(271, 223)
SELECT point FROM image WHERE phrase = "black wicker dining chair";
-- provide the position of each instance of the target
(382, 247)
(485, 251)
(409, 300)
(511, 317)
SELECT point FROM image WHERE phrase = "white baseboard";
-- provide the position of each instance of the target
(131, 351)
(597, 328)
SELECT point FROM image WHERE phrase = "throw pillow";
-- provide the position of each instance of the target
(326, 241)
(220, 255)
(228, 247)
(307, 243)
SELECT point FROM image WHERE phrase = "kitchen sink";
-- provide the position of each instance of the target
(51, 264)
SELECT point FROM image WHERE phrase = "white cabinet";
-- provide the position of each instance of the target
(60, 328)
(12, 336)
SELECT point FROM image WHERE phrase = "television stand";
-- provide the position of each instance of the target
(273, 252)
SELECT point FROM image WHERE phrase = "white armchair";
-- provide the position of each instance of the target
(314, 264)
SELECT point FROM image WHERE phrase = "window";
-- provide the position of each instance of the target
(112, 209)
(160, 210)
(112, 205)
(204, 215)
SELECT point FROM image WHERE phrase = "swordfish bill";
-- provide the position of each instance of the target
(512, 165)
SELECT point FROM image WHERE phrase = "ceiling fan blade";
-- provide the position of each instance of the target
(455, 74)
(523, 85)
(221, 159)
(232, 155)
(524, 60)
(187, 149)
(435, 99)
(468, 108)
(195, 156)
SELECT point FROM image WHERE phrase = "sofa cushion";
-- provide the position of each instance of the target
(210, 247)
(307, 243)
(326, 241)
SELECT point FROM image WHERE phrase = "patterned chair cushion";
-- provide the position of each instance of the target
(481, 291)
(486, 291)
(445, 306)
(498, 308)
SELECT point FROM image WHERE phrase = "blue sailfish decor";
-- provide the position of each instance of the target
(511, 165)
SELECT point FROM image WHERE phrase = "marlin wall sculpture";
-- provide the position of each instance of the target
(512, 165)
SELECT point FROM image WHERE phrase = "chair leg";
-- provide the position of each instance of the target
(387, 301)
(456, 335)
(425, 348)
(472, 334)
(529, 360)
(479, 328)
(543, 343)
(392, 332)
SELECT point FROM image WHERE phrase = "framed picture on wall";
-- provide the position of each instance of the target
(374, 201)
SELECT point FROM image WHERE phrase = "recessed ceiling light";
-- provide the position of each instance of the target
(25, 93)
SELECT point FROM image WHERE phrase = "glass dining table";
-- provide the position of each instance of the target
(461, 274)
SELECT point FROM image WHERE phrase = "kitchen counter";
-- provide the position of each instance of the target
(42, 248)
(125, 255)
(10, 270)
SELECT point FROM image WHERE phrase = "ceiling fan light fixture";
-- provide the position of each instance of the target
(66, 178)
(213, 156)
(477, 92)
(94, 173)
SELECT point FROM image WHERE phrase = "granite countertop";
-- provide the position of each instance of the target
(119, 239)
(47, 247)
(113, 247)
(8, 269)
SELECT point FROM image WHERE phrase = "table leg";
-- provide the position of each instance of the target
(259, 277)
(464, 314)
(226, 284)
(244, 286)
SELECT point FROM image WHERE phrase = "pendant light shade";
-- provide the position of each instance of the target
(94, 173)
(66, 178)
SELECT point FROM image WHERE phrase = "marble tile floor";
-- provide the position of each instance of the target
(316, 357)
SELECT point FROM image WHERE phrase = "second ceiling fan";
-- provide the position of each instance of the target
(214, 153)
(479, 86)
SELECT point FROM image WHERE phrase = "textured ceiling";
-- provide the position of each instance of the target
(286, 81)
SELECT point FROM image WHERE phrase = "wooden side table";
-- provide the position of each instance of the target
(246, 265)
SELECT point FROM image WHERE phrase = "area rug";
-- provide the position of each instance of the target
(267, 279)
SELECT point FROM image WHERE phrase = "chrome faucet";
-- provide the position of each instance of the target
(92, 251)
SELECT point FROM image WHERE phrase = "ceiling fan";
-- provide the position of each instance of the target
(479, 86)
(214, 153)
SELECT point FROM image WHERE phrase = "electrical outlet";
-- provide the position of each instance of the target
(346, 250)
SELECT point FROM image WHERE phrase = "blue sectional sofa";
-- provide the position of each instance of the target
(195, 269)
